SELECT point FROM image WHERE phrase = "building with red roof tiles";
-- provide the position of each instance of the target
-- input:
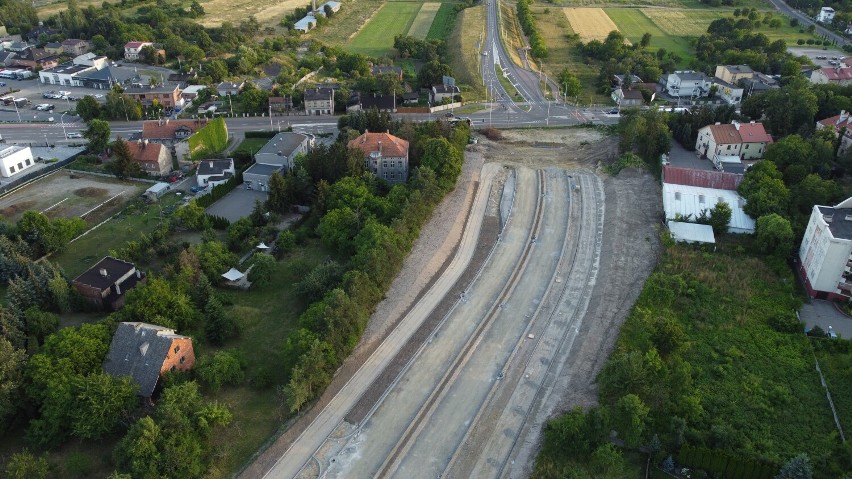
(834, 75)
(747, 141)
(385, 155)
(701, 178)
(132, 49)
(839, 123)
(153, 158)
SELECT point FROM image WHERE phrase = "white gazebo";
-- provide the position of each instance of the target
(262, 247)
(233, 275)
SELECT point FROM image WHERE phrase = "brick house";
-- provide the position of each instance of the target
(36, 58)
(106, 283)
(76, 47)
(319, 101)
(155, 159)
(145, 352)
(385, 155)
(168, 96)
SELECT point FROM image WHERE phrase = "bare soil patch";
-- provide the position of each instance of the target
(91, 192)
(15, 209)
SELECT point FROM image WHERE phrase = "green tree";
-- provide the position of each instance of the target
(647, 134)
(629, 417)
(569, 83)
(101, 401)
(254, 100)
(12, 363)
(263, 267)
(88, 108)
(192, 216)
(646, 40)
(279, 194)
(720, 217)
(798, 467)
(222, 368)
(26, 465)
(123, 163)
(442, 158)
(285, 243)
(608, 460)
(159, 302)
(39, 324)
(218, 326)
(216, 70)
(98, 135)
(774, 235)
(337, 229)
(764, 190)
(120, 107)
(138, 453)
(214, 259)
(432, 73)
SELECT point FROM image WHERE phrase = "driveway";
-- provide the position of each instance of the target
(237, 204)
(680, 157)
(825, 314)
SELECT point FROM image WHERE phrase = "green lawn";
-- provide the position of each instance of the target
(376, 38)
(442, 25)
(265, 316)
(633, 24)
(137, 218)
(252, 145)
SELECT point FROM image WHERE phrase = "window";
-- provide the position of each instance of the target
(729, 147)
(746, 147)
(182, 359)
(701, 199)
(677, 195)
(20, 166)
(11, 169)
(177, 348)
(384, 164)
(386, 175)
(172, 368)
(28, 162)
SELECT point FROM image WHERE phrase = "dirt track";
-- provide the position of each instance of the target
(632, 211)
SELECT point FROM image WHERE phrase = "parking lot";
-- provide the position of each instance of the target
(237, 204)
(825, 56)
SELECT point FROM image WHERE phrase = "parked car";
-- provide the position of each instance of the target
(613, 111)
(98, 96)
(197, 189)
(74, 134)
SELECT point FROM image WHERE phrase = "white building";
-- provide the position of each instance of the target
(687, 84)
(825, 263)
(825, 15)
(64, 74)
(305, 24)
(276, 156)
(745, 140)
(133, 49)
(214, 172)
(15, 159)
(729, 92)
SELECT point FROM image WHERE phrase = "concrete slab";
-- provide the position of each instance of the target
(237, 204)
(825, 314)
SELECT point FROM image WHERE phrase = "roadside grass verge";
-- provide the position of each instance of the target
(376, 38)
(464, 56)
(510, 31)
(507, 85)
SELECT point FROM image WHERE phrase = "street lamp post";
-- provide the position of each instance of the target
(61, 122)
(17, 111)
(270, 119)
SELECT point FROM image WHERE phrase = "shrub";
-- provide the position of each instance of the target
(492, 134)
(221, 369)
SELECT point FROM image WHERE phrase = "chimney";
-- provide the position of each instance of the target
(104, 273)
(117, 289)
(145, 141)
(167, 121)
(211, 164)
(138, 274)
(736, 124)
(380, 148)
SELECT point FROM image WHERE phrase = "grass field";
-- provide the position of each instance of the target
(758, 4)
(510, 29)
(633, 23)
(422, 23)
(464, 55)
(589, 23)
(376, 38)
(442, 24)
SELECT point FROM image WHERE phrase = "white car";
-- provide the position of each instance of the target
(74, 134)
(98, 96)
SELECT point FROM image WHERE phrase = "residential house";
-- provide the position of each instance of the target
(7, 58)
(320, 11)
(688, 192)
(440, 93)
(833, 75)
(106, 283)
(618, 80)
(825, 255)
(305, 25)
(385, 155)
(759, 83)
(132, 50)
(368, 101)
(825, 15)
(839, 123)
(627, 97)
(15, 159)
(155, 159)
(181, 79)
(387, 70)
(689, 84)
(18, 46)
(214, 172)
(168, 96)
(146, 352)
(34, 34)
(75, 46)
(34, 58)
(278, 154)
(229, 88)
(411, 98)
(64, 74)
(54, 48)
(747, 141)
(191, 92)
(172, 133)
(729, 92)
(319, 101)
(280, 104)
(733, 73)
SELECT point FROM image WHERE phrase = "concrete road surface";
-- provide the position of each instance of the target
(332, 415)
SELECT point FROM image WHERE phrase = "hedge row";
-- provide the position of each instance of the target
(539, 50)
(261, 134)
(218, 192)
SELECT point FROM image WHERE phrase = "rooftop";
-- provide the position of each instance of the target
(284, 143)
(136, 44)
(690, 75)
(691, 200)
(114, 268)
(315, 94)
(390, 146)
(215, 167)
(165, 129)
(144, 151)
(151, 89)
(68, 69)
(262, 169)
(138, 350)
(736, 69)
(839, 219)
(701, 178)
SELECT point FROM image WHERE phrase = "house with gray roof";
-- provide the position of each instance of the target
(277, 155)
(145, 352)
(687, 84)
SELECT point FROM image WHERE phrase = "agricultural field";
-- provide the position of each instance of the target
(442, 24)
(267, 12)
(692, 4)
(60, 196)
(633, 23)
(589, 23)
(423, 21)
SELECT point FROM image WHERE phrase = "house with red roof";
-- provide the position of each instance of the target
(385, 155)
(834, 75)
(154, 159)
(133, 49)
(842, 125)
(747, 141)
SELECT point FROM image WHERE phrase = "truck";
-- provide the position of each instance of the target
(19, 102)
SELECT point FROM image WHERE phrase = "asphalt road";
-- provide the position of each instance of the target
(805, 20)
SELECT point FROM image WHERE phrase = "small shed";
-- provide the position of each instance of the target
(155, 192)
(262, 247)
(233, 275)
(691, 232)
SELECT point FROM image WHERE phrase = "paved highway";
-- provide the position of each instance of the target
(805, 20)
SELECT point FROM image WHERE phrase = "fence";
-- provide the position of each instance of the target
(35, 175)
